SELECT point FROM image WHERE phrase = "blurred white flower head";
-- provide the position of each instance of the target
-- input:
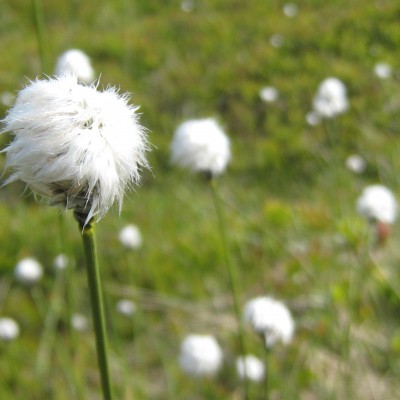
(377, 203)
(201, 145)
(9, 329)
(270, 318)
(130, 237)
(75, 62)
(200, 355)
(269, 94)
(126, 307)
(277, 40)
(7, 99)
(356, 163)
(313, 118)
(187, 5)
(79, 322)
(290, 10)
(383, 70)
(250, 367)
(75, 146)
(331, 98)
(28, 271)
(60, 262)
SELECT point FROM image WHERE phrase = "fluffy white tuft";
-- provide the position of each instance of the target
(250, 367)
(75, 146)
(75, 62)
(201, 146)
(377, 203)
(130, 237)
(28, 271)
(9, 329)
(331, 98)
(200, 355)
(271, 318)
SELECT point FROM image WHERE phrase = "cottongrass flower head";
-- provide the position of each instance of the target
(331, 98)
(271, 318)
(356, 163)
(9, 329)
(201, 145)
(126, 307)
(377, 203)
(313, 118)
(290, 10)
(130, 237)
(277, 40)
(28, 271)
(250, 367)
(75, 62)
(269, 94)
(383, 70)
(60, 262)
(79, 322)
(200, 355)
(75, 146)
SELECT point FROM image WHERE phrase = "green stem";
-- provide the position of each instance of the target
(40, 32)
(232, 273)
(96, 300)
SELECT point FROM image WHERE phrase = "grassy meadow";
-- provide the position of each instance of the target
(289, 201)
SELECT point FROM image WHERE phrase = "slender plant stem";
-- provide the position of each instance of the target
(40, 32)
(232, 273)
(95, 290)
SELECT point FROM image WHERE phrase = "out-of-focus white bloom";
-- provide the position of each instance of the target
(200, 355)
(313, 118)
(28, 271)
(377, 203)
(187, 5)
(126, 307)
(356, 163)
(250, 367)
(290, 10)
(269, 94)
(383, 70)
(130, 237)
(75, 62)
(201, 145)
(277, 40)
(7, 99)
(9, 329)
(60, 261)
(331, 98)
(79, 322)
(271, 318)
(75, 146)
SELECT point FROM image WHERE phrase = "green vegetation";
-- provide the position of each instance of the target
(289, 201)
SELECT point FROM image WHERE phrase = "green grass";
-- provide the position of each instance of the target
(288, 198)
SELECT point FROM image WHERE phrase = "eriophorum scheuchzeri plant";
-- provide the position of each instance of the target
(80, 149)
(202, 146)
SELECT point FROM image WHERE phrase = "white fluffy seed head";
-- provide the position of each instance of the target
(356, 163)
(75, 146)
(79, 322)
(377, 203)
(200, 355)
(331, 98)
(383, 70)
(250, 367)
(270, 318)
(130, 237)
(126, 307)
(75, 62)
(28, 271)
(60, 262)
(201, 146)
(9, 329)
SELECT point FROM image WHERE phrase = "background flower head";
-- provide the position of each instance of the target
(270, 318)
(200, 355)
(201, 145)
(377, 203)
(74, 145)
(331, 98)
(250, 367)
(9, 329)
(75, 62)
(28, 271)
(130, 237)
